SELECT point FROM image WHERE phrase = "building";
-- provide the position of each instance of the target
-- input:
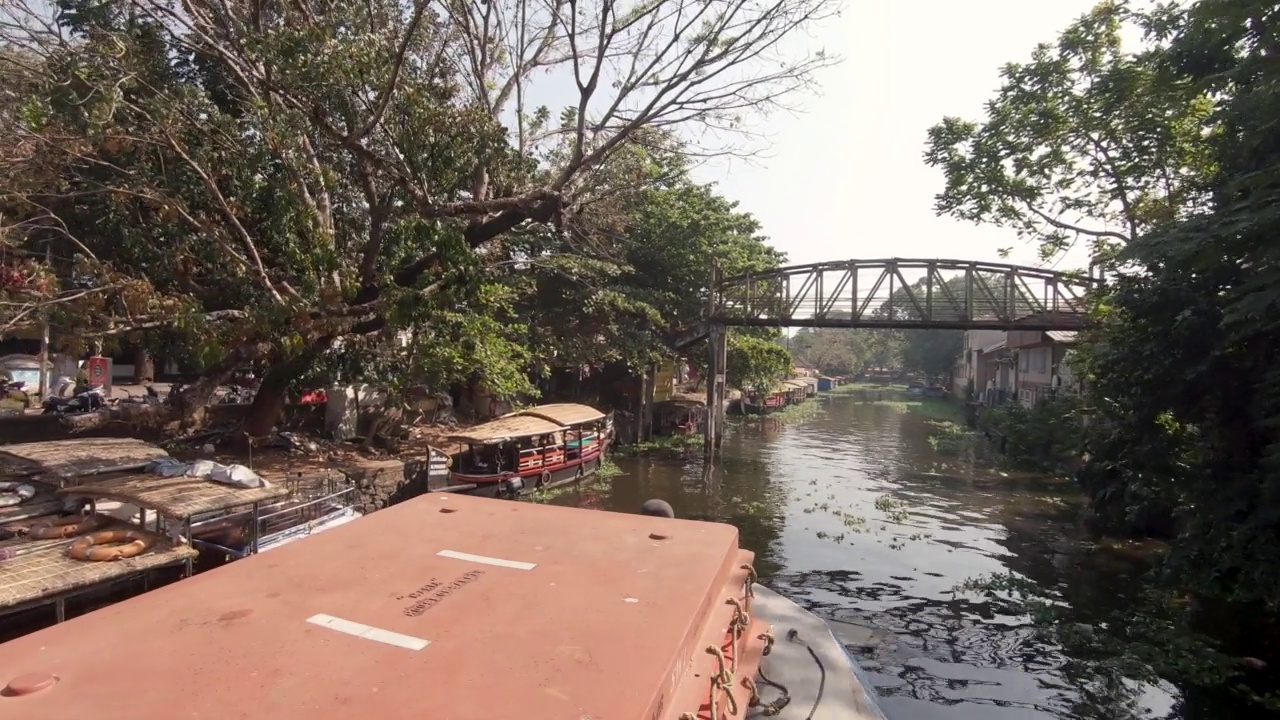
(799, 370)
(969, 371)
(1041, 368)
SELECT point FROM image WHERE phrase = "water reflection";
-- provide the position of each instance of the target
(855, 516)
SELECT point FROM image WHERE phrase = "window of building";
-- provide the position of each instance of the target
(1024, 360)
(1042, 359)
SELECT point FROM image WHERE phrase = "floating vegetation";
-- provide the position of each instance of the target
(676, 444)
(595, 481)
(895, 509)
(795, 413)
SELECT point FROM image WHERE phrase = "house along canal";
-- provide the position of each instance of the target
(854, 514)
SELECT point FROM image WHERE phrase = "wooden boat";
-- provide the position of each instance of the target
(312, 505)
(678, 416)
(542, 447)
(795, 391)
(638, 617)
(157, 511)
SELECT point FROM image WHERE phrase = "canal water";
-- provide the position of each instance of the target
(853, 514)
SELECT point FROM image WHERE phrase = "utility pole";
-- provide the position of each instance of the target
(44, 335)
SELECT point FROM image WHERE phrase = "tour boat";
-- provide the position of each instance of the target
(538, 448)
(422, 610)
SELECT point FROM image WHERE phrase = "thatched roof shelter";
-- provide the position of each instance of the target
(177, 497)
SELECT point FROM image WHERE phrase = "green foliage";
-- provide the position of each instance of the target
(1046, 436)
(647, 273)
(664, 444)
(1175, 151)
(301, 190)
(755, 365)
(806, 410)
(1087, 140)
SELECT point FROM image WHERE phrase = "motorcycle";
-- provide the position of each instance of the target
(85, 400)
(14, 395)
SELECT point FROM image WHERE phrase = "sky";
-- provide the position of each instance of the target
(845, 178)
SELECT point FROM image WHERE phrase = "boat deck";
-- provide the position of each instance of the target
(41, 573)
(444, 606)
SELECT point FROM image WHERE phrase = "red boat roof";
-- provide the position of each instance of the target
(445, 607)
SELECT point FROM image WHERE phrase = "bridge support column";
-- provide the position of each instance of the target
(718, 346)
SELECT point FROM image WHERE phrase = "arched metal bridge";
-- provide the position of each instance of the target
(899, 293)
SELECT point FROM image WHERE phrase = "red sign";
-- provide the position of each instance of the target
(99, 371)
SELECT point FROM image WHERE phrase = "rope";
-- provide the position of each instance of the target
(772, 708)
(751, 580)
(767, 637)
(794, 636)
(721, 680)
(740, 622)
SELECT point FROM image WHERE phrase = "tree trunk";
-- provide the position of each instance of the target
(269, 401)
(268, 404)
(144, 367)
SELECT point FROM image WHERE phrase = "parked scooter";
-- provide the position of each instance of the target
(16, 391)
(86, 399)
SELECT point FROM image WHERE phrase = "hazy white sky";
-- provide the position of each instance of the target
(846, 179)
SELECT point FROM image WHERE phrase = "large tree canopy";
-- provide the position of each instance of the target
(1089, 140)
(263, 181)
(1173, 153)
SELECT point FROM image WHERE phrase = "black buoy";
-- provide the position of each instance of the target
(657, 508)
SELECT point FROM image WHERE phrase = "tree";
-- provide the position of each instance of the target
(754, 364)
(644, 275)
(1185, 360)
(1086, 141)
(273, 179)
(931, 353)
(832, 351)
(1182, 358)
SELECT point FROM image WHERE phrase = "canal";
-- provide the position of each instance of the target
(855, 515)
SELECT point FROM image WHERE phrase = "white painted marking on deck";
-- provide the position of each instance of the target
(368, 632)
(485, 560)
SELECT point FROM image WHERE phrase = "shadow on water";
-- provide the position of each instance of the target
(854, 515)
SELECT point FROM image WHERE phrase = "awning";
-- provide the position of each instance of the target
(993, 347)
(1062, 336)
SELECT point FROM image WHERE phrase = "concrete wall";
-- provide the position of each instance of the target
(382, 483)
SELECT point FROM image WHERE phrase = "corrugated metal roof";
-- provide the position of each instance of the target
(993, 347)
(1062, 336)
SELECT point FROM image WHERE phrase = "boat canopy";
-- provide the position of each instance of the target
(83, 456)
(563, 413)
(177, 497)
(509, 427)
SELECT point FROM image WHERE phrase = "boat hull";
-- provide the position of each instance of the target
(501, 485)
(844, 694)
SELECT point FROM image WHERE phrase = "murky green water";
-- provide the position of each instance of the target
(854, 515)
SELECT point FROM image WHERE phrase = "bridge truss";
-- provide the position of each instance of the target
(892, 294)
(904, 293)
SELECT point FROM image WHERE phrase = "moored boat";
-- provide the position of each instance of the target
(538, 448)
